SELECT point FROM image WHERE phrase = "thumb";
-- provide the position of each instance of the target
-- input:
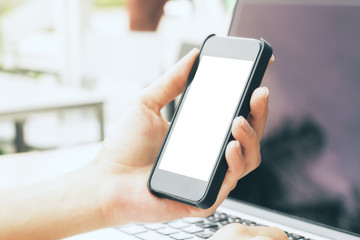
(171, 84)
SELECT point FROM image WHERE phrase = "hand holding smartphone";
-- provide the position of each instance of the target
(191, 165)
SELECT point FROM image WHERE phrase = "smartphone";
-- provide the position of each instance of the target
(191, 164)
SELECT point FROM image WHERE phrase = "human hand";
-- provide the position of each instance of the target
(128, 154)
(237, 231)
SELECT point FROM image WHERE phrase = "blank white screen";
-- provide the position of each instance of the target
(205, 117)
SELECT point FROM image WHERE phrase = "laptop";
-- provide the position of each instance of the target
(309, 181)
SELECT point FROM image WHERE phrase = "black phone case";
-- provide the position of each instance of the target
(243, 109)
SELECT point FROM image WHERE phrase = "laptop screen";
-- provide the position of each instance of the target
(311, 149)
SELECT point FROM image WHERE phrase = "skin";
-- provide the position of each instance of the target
(240, 232)
(112, 189)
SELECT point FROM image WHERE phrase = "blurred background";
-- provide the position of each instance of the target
(68, 67)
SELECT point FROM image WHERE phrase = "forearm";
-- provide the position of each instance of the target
(62, 207)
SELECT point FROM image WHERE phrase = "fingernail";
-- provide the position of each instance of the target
(194, 50)
(245, 125)
(266, 93)
(238, 148)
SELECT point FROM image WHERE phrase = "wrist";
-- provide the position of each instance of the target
(113, 196)
(82, 199)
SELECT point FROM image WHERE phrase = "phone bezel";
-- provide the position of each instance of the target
(226, 47)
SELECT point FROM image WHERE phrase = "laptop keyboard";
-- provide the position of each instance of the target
(190, 228)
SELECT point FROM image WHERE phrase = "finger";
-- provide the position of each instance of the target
(271, 232)
(232, 231)
(272, 59)
(236, 168)
(235, 160)
(247, 137)
(262, 238)
(171, 84)
(240, 160)
(259, 110)
(241, 232)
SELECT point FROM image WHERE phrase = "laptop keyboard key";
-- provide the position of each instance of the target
(178, 224)
(230, 220)
(181, 236)
(247, 222)
(193, 220)
(214, 229)
(207, 225)
(133, 229)
(217, 217)
(192, 229)
(205, 234)
(155, 226)
(151, 236)
(167, 231)
(292, 236)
